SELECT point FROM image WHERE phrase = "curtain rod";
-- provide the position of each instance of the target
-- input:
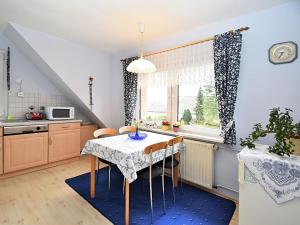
(209, 38)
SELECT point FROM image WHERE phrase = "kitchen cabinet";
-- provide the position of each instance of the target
(86, 133)
(64, 141)
(1, 151)
(25, 151)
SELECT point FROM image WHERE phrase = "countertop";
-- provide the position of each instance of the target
(34, 122)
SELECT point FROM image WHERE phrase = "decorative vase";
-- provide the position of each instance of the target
(137, 132)
(165, 127)
(296, 148)
(175, 129)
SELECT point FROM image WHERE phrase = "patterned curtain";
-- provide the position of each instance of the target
(227, 55)
(130, 90)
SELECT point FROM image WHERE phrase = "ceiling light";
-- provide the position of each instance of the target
(141, 65)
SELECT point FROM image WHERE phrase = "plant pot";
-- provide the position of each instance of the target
(165, 127)
(176, 129)
(296, 148)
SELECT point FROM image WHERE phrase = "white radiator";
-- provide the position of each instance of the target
(198, 163)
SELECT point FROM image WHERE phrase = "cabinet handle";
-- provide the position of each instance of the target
(65, 126)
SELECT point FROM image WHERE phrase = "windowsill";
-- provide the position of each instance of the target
(212, 138)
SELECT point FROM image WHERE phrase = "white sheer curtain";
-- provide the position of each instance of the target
(190, 65)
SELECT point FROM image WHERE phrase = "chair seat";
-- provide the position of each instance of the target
(168, 163)
(145, 174)
(104, 161)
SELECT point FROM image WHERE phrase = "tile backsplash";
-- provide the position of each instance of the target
(18, 106)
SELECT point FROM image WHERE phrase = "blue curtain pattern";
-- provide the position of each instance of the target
(130, 90)
(227, 55)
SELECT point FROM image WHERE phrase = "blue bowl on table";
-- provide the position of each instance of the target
(137, 136)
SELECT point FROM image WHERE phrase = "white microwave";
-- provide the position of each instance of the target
(60, 113)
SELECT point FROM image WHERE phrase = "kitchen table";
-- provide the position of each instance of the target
(129, 157)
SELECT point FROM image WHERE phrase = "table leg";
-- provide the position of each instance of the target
(127, 203)
(175, 171)
(92, 179)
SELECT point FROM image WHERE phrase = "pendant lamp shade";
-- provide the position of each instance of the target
(141, 65)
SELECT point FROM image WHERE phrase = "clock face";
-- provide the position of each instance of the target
(283, 52)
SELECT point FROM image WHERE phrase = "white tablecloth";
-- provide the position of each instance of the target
(279, 176)
(126, 153)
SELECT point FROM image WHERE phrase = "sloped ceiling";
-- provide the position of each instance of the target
(68, 66)
(112, 25)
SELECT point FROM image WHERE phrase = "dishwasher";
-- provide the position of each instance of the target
(25, 147)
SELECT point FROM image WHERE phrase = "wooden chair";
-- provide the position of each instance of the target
(127, 129)
(171, 162)
(154, 171)
(98, 134)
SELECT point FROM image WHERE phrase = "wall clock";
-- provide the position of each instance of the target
(284, 52)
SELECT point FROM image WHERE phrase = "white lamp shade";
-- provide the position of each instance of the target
(141, 65)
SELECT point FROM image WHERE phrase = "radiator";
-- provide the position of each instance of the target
(198, 163)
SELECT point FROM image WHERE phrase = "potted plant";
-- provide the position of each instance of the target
(286, 133)
(137, 124)
(166, 125)
(176, 127)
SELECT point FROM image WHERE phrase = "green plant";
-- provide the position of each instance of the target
(177, 124)
(199, 109)
(187, 116)
(281, 124)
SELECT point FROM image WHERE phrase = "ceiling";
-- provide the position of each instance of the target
(112, 25)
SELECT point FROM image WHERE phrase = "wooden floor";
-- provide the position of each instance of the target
(43, 198)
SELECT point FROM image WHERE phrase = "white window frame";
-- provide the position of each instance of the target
(172, 112)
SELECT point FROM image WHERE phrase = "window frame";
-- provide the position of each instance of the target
(173, 112)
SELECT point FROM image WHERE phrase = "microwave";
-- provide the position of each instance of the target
(60, 113)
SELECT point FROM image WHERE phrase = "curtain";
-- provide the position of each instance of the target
(130, 91)
(189, 65)
(227, 54)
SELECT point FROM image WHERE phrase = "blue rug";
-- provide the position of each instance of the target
(193, 206)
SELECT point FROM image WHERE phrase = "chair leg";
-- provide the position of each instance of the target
(109, 168)
(124, 185)
(163, 189)
(151, 203)
(98, 171)
(173, 181)
(180, 174)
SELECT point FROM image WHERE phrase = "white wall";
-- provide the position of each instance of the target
(262, 85)
(68, 65)
(34, 81)
(22, 68)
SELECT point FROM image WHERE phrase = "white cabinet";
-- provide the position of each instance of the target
(256, 207)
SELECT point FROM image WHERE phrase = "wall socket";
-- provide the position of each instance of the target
(20, 94)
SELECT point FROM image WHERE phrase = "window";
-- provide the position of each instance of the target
(197, 106)
(156, 104)
(182, 89)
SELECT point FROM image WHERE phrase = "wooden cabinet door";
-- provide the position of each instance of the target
(1, 155)
(25, 151)
(64, 144)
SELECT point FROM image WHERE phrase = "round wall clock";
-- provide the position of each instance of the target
(284, 52)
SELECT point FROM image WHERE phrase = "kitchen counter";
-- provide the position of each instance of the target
(34, 122)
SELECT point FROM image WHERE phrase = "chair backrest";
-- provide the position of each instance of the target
(104, 132)
(126, 129)
(175, 140)
(155, 147)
